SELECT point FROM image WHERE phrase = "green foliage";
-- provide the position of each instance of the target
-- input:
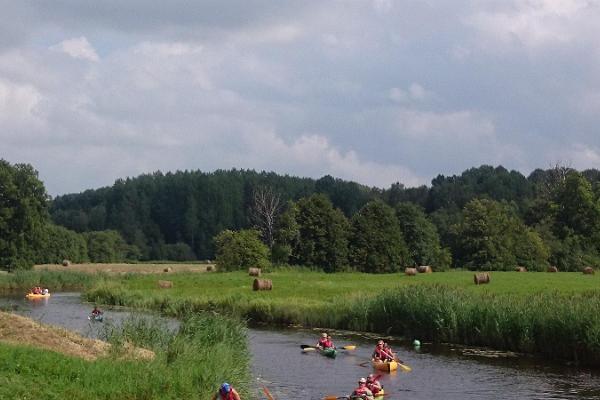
(421, 238)
(23, 215)
(107, 247)
(493, 238)
(323, 234)
(177, 252)
(376, 243)
(240, 250)
(60, 243)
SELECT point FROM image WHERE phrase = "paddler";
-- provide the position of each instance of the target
(325, 342)
(96, 311)
(226, 392)
(373, 384)
(362, 391)
(381, 353)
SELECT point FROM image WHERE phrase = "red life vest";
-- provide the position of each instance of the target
(325, 343)
(374, 386)
(360, 391)
(227, 396)
(380, 353)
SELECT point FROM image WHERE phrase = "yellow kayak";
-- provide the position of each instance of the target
(386, 366)
(37, 296)
(381, 393)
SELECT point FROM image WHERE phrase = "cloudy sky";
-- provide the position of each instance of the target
(376, 91)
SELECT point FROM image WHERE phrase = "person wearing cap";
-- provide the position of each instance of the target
(325, 342)
(381, 353)
(362, 391)
(226, 392)
(373, 384)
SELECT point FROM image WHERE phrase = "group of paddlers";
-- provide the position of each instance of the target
(367, 388)
(39, 290)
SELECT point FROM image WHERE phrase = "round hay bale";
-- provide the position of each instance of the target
(481, 278)
(254, 271)
(520, 269)
(209, 268)
(410, 271)
(165, 284)
(66, 263)
(552, 269)
(168, 269)
(424, 269)
(588, 271)
(262, 284)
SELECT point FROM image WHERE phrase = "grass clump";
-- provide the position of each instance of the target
(23, 280)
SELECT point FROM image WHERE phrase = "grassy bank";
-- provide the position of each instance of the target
(21, 281)
(191, 365)
(551, 314)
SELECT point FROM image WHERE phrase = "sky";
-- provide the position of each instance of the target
(375, 91)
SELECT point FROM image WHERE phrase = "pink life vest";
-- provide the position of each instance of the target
(227, 396)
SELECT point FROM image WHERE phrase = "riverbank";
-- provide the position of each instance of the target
(52, 363)
(554, 315)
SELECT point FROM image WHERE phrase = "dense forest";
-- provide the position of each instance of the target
(485, 218)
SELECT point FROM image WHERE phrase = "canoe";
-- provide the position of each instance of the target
(37, 296)
(331, 353)
(385, 366)
(381, 393)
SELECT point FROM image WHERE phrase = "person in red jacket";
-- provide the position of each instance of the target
(226, 392)
(362, 392)
(373, 384)
(325, 342)
(381, 353)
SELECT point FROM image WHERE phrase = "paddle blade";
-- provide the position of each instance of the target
(404, 367)
(307, 349)
(267, 393)
(306, 346)
(332, 397)
(350, 347)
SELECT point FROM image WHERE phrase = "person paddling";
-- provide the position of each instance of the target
(381, 353)
(96, 311)
(362, 391)
(325, 342)
(226, 392)
(373, 384)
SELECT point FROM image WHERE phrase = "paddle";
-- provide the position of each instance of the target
(332, 397)
(348, 347)
(267, 393)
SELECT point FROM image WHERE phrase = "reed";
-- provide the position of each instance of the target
(54, 280)
(556, 317)
(191, 363)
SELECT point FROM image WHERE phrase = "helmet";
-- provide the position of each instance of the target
(225, 387)
(324, 334)
(362, 380)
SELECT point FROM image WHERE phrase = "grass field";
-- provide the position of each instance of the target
(551, 314)
(122, 268)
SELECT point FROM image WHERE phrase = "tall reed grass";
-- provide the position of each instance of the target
(55, 280)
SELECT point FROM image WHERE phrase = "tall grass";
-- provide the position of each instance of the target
(555, 323)
(55, 281)
(190, 364)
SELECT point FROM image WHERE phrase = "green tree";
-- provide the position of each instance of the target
(287, 235)
(23, 215)
(108, 246)
(376, 243)
(421, 238)
(240, 250)
(323, 234)
(60, 243)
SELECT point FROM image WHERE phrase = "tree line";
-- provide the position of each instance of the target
(485, 218)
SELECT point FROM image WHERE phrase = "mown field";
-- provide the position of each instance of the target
(123, 268)
(555, 315)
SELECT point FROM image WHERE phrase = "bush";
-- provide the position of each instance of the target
(240, 250)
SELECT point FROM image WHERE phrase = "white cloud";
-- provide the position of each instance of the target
(415, 92)
(459, 125)
(77, 48)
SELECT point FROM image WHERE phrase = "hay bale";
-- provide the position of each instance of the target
(481, 278)
(209, 268)
(165, 284)
(552, 269)
(588, 271)
(168, 269)
(254, 271)
(66, 263)
(262, 284)
(410, 271)
(424, 269)
(520, 269)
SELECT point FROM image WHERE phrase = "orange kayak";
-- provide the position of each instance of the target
(37, 296)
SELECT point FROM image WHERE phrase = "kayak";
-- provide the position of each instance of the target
(331, 353)
(37, 296)
(381, 393)
(98, 318)
(388, 366)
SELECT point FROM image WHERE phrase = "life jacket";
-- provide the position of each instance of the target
(381, 353)
(227, 396)
(360, 391)
(325, 343)
(374, 386)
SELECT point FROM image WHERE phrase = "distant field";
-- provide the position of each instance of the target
(150, 268)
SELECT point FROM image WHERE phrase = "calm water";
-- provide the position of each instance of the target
(438, 372)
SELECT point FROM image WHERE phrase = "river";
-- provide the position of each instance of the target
(439, 372)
